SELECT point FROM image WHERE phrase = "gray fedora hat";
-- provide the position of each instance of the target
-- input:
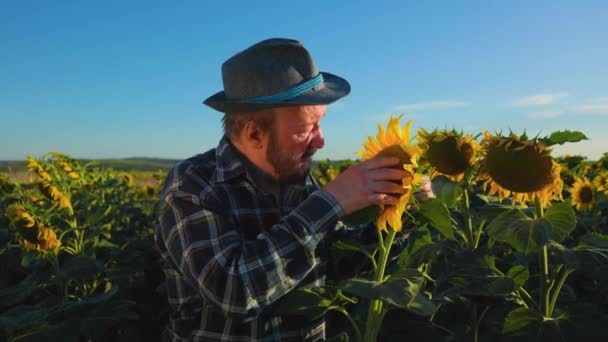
(275, 72)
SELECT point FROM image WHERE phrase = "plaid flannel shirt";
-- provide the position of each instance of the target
(229, 250)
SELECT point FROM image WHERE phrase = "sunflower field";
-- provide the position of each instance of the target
(78, 263)
(513, 247)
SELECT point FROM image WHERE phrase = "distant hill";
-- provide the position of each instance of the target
(123, 164)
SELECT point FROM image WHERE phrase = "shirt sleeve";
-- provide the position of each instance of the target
(241, 276)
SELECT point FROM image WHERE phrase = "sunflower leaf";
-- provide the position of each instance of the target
(446, 190)
(312, 303)
(581, 322)
(363, 216)
(561, 137)
(562, 219)
(439, 216)
(523, 233)
(401, 292)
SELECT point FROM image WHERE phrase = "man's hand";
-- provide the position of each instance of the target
(372, 182)
(425, 190)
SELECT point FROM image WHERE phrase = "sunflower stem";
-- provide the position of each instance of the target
(476, 321)
(375, 312)
(471, 239)
(539, 207)
(546, 287)
(544, 266)
(558, 289)
(352, 322)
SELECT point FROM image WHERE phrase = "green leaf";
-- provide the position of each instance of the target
(104, 243)
(439, 216)
(363, 216)
(345, 246)
(594, 240)
(82, 268)
(402, 293)
(420, 248)
(520, 320)
(421, 306)
(311, 303)
(561, 137)
(473, 274)
(519, 274)
(582, 322)
(524, 234)
(563, 220)
(27, 316)
(527, 235)
(560, 254)
(446, 190)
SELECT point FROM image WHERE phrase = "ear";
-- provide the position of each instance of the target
(254, 136)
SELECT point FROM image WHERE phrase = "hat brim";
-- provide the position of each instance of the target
(335, 87)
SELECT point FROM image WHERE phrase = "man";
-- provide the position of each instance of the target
(239, 226)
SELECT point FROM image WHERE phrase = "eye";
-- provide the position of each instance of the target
(305, 132)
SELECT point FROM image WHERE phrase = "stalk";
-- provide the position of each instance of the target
(471, 238)
(352, 322)
(558, 289)
(375, 313)
(544, 266)
(477, 320)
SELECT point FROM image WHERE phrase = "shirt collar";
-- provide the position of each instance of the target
(229, 161)
(230, 164)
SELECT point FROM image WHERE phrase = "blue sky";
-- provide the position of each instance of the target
(103, 79)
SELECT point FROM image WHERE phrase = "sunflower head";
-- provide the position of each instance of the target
(520, 168)
(128, 178)
(23, 221)
(46, 240)
(449, 153)
(601, 182)
(6, 186)
(55, 195)
(34, 166)
(583, 194)
(394, 141)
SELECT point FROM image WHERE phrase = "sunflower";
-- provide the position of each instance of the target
(23, 221)
(583, 194)
(47, 239)
(449, 153)
(6, 186)
(520, 168)
(394, 142)
(34, 166)
(601, 182)
(55, 195)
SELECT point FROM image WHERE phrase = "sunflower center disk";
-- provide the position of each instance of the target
(526, 170)
(586, 195)
(447, 158)
(398, 152)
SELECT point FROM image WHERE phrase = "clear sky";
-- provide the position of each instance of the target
(104, 79)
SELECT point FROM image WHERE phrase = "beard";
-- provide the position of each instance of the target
(289, 167)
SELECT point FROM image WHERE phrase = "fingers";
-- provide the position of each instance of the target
(387, 188)
(389, 174)
(426, 184)
(384, 199)
(380, 162)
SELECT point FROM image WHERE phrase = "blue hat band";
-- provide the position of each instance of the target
(289, 93)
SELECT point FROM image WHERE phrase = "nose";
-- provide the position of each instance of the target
(318, 141)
